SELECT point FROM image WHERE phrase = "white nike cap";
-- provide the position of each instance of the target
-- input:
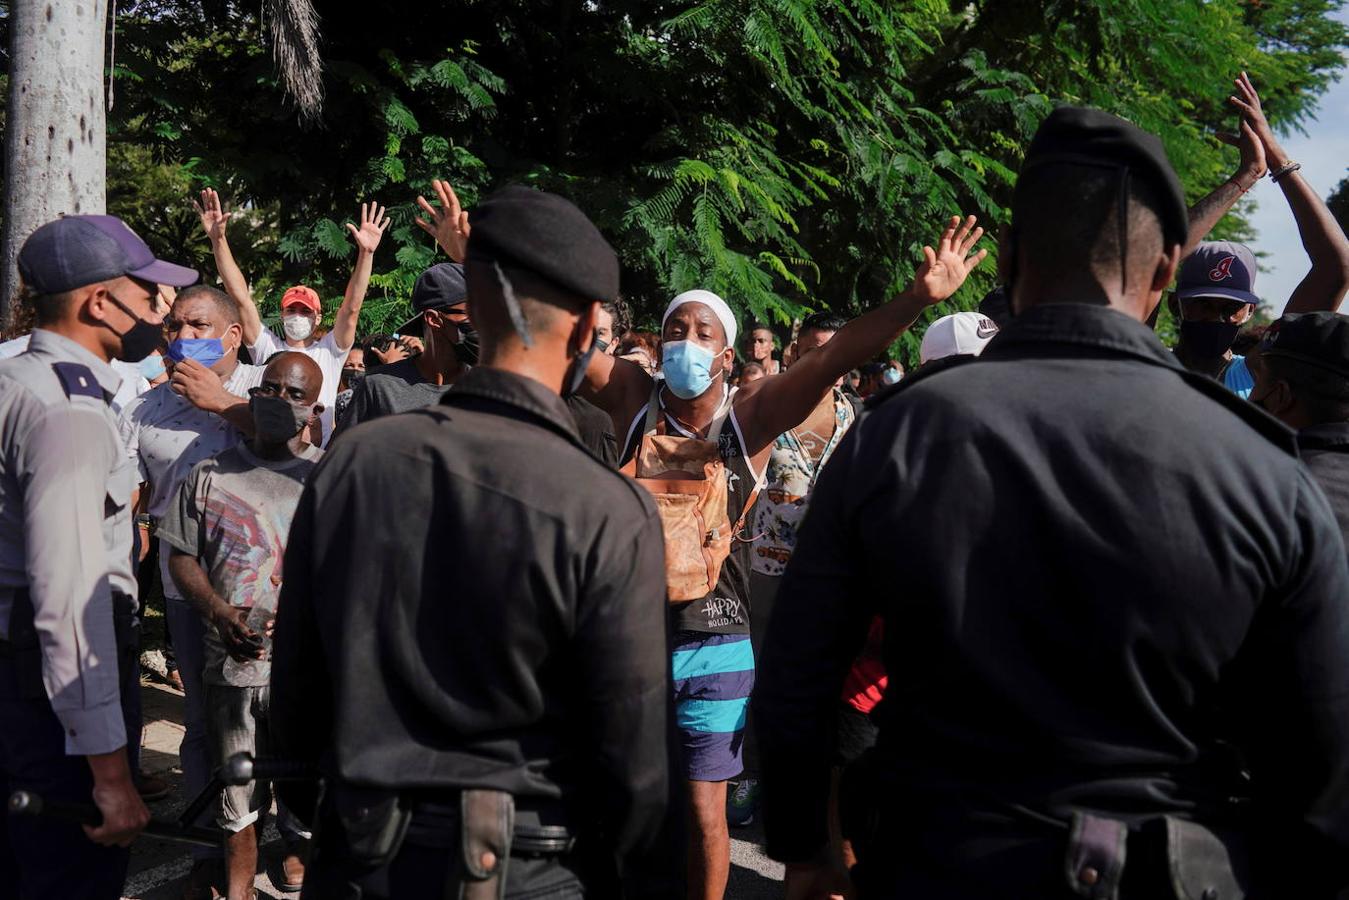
(959, 333)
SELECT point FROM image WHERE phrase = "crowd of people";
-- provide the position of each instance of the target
(1057, 613)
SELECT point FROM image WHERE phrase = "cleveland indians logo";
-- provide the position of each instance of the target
(1223, 270)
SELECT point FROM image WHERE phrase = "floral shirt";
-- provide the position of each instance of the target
(782, 503)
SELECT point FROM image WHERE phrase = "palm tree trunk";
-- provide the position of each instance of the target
(55, 153)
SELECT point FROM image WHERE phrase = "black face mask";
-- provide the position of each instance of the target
(467, 348)
(577, 373)
(1208, 340)
(353, 377)
(141, 339)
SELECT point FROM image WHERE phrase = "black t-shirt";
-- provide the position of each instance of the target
(395, 388)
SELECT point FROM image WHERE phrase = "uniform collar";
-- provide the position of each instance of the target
(1330, 436)
(514, 390)
(64, 349)
(1081, 325)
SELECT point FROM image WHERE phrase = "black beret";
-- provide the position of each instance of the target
(547, 235)
(1081, 136)
(1320, 339)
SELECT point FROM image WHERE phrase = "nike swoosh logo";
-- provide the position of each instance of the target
(985, 332)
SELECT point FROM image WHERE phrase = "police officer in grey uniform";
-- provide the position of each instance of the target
(66, 584)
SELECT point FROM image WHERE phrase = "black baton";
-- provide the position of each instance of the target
(26, 803)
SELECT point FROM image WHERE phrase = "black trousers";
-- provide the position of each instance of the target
(39, 857)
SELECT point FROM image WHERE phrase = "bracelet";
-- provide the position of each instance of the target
(1286, 169)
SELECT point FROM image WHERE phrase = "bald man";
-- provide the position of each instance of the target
(227, 532)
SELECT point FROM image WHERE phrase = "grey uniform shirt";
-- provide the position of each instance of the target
(65, 527)
(166, 436)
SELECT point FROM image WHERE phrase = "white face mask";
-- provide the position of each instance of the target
(297, 328)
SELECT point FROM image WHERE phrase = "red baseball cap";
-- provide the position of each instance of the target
(301, 296)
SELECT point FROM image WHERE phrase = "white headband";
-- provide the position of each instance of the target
(712, 301)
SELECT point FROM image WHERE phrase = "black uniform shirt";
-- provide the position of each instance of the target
(472, 600)
(1096, 571)
(1325, 449)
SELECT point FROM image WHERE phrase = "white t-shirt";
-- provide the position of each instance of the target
(324, 351)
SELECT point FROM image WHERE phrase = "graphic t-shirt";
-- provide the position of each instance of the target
(330, 359)
(790, 476)
(233, 514)
(726, 609)
(166, 436)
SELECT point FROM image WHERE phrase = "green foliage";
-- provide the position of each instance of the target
(792, 155)
(1339, 204)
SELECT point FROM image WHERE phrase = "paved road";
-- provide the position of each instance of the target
(159, 869)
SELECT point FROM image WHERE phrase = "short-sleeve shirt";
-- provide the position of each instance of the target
(330, 359)
(1238, 379)
(166, 436)
(233, 514)
(395, 388)
(782, 504)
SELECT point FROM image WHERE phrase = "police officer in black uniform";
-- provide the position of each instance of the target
(471, 635)
(67, 592)
(1301, 372)
(1116, 629)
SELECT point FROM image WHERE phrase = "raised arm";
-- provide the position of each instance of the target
(1325, 285)
(213, 222)
(782, 402)
(1206, 213)
(367, 238)
(448, 223)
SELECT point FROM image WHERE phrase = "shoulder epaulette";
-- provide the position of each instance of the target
(78, 380)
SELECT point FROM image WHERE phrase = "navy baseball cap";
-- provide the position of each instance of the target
(1320, 339)
(74, 251)
(443, 285)
(1218, 269)
(440, 286)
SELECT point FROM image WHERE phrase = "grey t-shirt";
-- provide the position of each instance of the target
(395, 388)
(233, 513)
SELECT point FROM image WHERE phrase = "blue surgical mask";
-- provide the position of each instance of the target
(207, 351)
(152, 367)
(687, 368)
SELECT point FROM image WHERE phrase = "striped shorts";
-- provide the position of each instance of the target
(713, 675)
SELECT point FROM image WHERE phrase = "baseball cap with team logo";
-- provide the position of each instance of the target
(962, 333)
(1218, 269)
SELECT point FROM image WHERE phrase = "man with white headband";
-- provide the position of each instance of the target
(712, 659)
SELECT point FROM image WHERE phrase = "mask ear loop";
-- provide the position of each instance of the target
(1123, 217)
(513, 309)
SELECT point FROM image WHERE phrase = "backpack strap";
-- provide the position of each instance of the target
(653, 411)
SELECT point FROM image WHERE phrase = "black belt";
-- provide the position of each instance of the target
(438, 824)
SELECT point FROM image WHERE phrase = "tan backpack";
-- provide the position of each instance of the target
(687, 478)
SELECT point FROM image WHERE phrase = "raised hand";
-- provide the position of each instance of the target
(1247, 102)
(1253, 165)
(373, 225)
(448, 224)
(213, 216)
(945, 269)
